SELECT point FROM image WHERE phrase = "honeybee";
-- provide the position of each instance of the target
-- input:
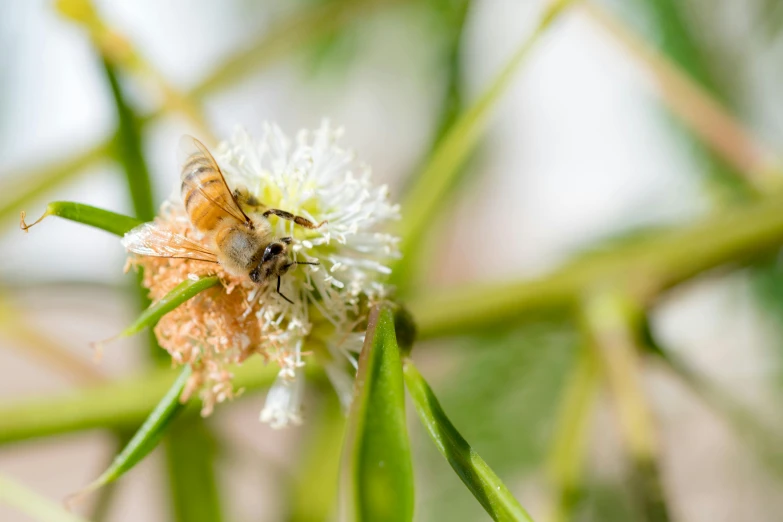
(243, 244)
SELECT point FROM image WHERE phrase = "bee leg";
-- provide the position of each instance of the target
(281, 293)
(299, 220)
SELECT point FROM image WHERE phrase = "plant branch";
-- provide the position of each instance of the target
(611, 321)
(646, 267)
(566, 460)
(121, 404)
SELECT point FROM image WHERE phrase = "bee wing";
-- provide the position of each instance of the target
(149, 240)
(196, 158)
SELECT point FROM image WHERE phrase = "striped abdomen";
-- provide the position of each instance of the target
(204, 193)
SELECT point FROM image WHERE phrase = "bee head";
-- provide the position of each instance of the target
(274, 262)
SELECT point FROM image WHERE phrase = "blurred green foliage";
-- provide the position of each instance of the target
(508, 381)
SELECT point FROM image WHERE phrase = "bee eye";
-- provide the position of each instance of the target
(275, 249)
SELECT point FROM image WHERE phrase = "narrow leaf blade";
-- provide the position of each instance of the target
(146, 438)
(178, 295)
(112, 222)
(377, 451)
(488, 489)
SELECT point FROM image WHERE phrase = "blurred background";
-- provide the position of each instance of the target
(582, 152)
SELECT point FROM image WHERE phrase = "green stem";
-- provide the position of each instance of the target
(612, 320)
(427, 196)
(646, 267)
(121, 404)
(453, 96)
(129, 150)
(178, 295)
(566, 461)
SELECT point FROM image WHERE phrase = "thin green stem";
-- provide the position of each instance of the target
(129, 150)
(452, 103)
(611, 320)
(678, 42)
(428, 195)
(178, 295)
(567, 457)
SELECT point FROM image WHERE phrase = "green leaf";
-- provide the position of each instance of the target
(148, 436)
(35, 506)
(378, 473)
(493, 495)
(178, 295)
(512, 380)
(117, 224)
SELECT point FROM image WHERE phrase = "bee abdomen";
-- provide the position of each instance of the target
(202, 193)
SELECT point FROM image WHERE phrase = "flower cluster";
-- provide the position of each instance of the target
(315, 178)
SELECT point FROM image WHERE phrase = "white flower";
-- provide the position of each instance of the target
(315, 178)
